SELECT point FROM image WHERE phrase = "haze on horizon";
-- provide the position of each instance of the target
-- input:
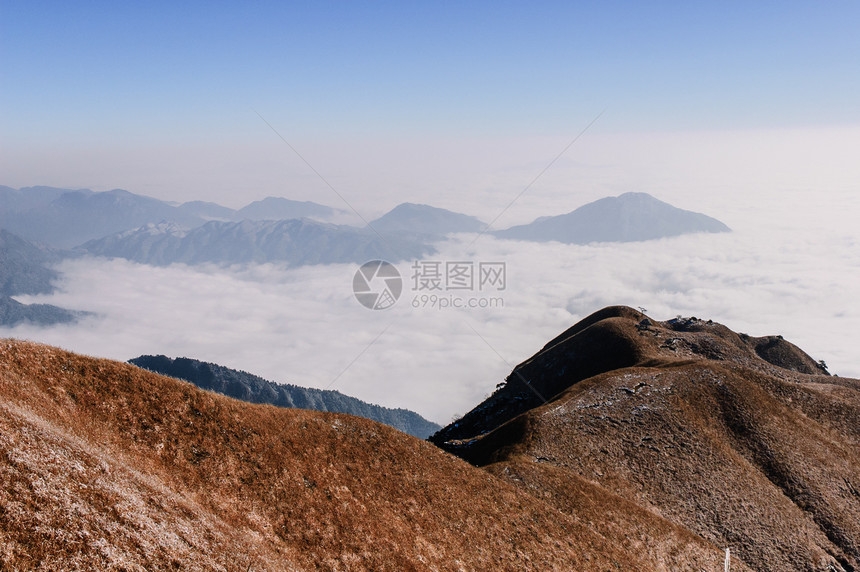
(405, 100)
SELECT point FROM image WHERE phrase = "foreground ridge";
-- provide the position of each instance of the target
(746, 442)
(104, 465)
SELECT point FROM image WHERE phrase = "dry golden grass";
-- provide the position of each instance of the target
(106, 466)
(663, 445)
(665, 545)
(707, 435)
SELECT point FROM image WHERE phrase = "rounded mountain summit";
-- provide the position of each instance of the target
(629, 217)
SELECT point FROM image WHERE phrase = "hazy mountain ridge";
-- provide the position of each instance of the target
(629, 217)
(22, 266)
(28, 198)
(206, 211)
(295, 241)
(744, 441)
(66, 218)
(13, 313)
(254, 389)
(24, 270)
(146, 230)
(425, 219)
(405, 233)
(74, 217)
(279, 208)
(408, 231)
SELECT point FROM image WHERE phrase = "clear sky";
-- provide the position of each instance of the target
(133, 89)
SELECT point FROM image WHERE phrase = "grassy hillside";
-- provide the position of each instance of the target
(744, 442)
(106, 465)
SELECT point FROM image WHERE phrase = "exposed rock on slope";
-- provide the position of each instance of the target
(744, 442)
(255, 389)
(659, 444)
(104, 465)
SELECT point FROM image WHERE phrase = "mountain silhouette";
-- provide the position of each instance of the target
(626, 218)
(296, 242)
(121, 224)
(279, 208)
(255, 389)
(743, 441)
(25, 269)
(23, 266)
(66, 218)
(28, 198)
(406, 232)
(75, 216)
(13, 313)
(206, 211)
(424, 219)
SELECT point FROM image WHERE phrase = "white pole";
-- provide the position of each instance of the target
(728, 559)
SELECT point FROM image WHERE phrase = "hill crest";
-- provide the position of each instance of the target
(630, 217)
(104, 465)
(746, 442)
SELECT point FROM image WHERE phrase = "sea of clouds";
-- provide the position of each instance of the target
(791, 266)
(304, 326)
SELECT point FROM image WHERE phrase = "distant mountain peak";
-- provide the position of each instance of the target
(280, 208)
(294, 241)
(66, 218)
(629, 217)
(741, 440)
(425, 219)
(407, 206)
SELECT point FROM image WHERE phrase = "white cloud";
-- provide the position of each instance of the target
(303, 325)
(791, 267)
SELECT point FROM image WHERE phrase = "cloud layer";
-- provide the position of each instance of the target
(791, 267)
(303, 325)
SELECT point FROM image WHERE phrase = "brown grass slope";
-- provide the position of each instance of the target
(106, 466)
(741, 441)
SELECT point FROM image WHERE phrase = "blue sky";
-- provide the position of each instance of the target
(386, 66)
(116, 75)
